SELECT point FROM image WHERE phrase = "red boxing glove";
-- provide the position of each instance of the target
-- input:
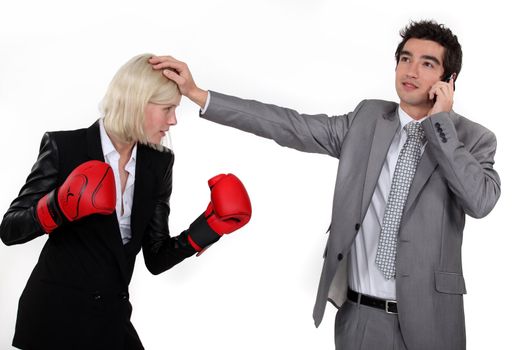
(229, 210)
(89, 189)
(230, 207)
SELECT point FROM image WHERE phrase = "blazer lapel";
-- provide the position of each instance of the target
(384, 132)
(111, 232)
(94, 145)
(425, 168)
(142, 197)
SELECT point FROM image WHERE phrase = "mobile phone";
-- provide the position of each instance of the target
(451, 76)
(446, 80)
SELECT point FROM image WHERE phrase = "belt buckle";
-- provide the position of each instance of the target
(387, 306)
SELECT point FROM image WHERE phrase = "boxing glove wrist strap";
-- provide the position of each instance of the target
(48, 213)
(200, 234)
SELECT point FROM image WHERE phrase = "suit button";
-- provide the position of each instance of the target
(444, 140)
(96, 296)
(339, 256)
(437, 125)
(357, 226)
(440, 130)
(123, 296)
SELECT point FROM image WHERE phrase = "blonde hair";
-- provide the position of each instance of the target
(134, 86)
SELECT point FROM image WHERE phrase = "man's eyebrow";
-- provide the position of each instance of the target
(431, 58)
(425, 57)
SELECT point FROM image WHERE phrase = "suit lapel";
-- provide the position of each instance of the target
(94, 145)
(111, 229)
(384, 132)
(142, 197)
(425, 168)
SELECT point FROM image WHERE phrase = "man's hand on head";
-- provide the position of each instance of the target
(178, 72)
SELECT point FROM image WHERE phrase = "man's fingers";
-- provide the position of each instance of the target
(178, 72)
(451, 82)
(432, 92)
(178, 66)
(447, 90)
(173, 76)
(162, 59)
(161, 62)
(442, 89)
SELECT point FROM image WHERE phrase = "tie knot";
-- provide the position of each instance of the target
(415, 130)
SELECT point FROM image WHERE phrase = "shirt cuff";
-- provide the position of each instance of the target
(203, 110)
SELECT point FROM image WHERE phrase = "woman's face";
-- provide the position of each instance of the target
(157, 120)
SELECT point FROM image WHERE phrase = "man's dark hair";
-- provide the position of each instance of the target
(430, 30)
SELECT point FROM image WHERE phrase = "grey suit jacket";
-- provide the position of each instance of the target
(454, 177)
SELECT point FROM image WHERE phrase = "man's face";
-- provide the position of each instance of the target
(420, 66)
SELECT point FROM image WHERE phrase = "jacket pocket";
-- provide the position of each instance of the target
(450, 282)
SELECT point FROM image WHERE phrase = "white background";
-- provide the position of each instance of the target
(255, 289)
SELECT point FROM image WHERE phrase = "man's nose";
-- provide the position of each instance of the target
(412, 71)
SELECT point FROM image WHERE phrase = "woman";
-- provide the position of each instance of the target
(82, 191)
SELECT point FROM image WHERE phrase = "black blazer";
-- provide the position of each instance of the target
(77, 295)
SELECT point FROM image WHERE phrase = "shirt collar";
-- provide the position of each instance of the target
(108, 147)
(404, 118)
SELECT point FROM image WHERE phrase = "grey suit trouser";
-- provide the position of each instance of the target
(360, 327)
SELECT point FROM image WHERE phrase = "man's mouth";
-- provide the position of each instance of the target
(409, 86)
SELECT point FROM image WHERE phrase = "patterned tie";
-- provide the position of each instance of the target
(403, 175)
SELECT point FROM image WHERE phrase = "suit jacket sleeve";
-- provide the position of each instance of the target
(468, 169)
(19, 224)
(161, 252)
(308, 133)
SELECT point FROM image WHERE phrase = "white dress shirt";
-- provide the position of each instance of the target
(124, 200)
(364, 275)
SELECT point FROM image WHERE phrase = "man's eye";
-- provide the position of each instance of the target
(428, 64)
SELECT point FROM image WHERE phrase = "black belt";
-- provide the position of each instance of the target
(389, 306)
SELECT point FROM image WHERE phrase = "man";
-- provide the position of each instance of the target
(408, 173)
